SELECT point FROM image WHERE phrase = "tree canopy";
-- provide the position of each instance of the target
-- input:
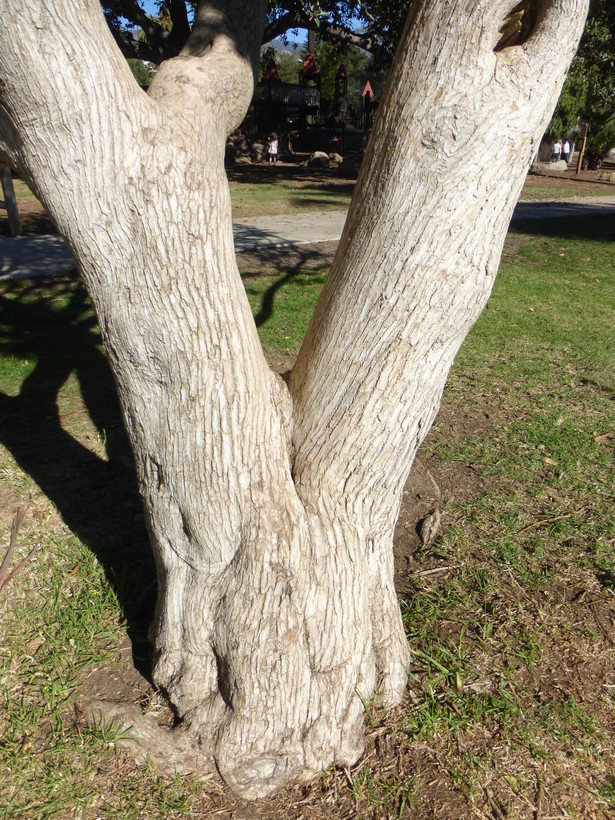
(589, 92)
(374, 26)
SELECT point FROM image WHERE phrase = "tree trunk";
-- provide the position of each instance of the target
(271, 508)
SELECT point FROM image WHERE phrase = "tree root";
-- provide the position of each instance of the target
(169, 751)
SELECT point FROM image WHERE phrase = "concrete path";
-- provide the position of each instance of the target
(34, 256)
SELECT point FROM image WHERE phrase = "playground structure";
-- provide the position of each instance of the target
(293, 109)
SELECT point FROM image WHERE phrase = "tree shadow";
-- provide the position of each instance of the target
(266, 309)
(53, 325)
(288, 262)
(327, 201)
(263, 172)
(569, 221)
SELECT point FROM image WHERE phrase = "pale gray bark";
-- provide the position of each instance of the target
(271, 509)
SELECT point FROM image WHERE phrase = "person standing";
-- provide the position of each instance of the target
(566, 151)
(272, 148)
(557, 151)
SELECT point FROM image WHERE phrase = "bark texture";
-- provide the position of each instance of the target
(271, 508)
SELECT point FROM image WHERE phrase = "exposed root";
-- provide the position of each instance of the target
(169, 751)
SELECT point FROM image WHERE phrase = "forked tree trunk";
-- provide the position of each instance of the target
(271, 508)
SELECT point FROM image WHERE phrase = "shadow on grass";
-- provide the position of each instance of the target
(579, 225)
(53, 325)
(287, 262)
(330, 202)
(321, 177)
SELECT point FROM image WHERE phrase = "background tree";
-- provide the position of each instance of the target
(588, 95)
(374, 26)
(288, 63)
(360, 67)
(271, 504)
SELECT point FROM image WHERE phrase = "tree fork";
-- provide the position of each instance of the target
(271, 508)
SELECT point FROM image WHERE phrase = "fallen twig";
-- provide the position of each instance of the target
(424, 573)
(6, 563)
(5, 575)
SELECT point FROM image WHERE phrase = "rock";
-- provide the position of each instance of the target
(258, 151)
(550, 167)
(319, 160)
(243, 161)
(336, 159)
(607, 176)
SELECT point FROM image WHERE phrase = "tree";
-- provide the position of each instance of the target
(270, 503)
(288, 64)
(588, 95)
(374, 26)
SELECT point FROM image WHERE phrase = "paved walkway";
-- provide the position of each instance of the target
(34, 256)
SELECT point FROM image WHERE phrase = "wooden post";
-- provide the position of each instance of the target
(581, 143)
(10, 202)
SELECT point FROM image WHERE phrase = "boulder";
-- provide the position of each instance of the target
(258, 151)
(550, 167)
(336, 159)
(319, 160)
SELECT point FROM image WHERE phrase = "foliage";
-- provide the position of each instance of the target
(288, 63)
(589, 92)
(374, 26)
(141, 71)
(359, 66)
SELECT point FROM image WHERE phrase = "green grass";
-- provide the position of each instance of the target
(550, 192)
(282, 304)
(21, 190)
(283, 197)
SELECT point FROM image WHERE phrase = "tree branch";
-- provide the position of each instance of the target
(297, 18)
(133, 12)
(180, 27)
(290, 20)
(241, 23)
(216, 68)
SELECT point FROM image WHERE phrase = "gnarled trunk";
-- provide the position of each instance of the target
(271, 508)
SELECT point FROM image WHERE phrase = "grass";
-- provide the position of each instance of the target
(21, 190)
(511, 708)
(282, 304)
(539, 192)
(282, 197)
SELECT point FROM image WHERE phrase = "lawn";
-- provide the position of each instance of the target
(287, 196)
(510, 611)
